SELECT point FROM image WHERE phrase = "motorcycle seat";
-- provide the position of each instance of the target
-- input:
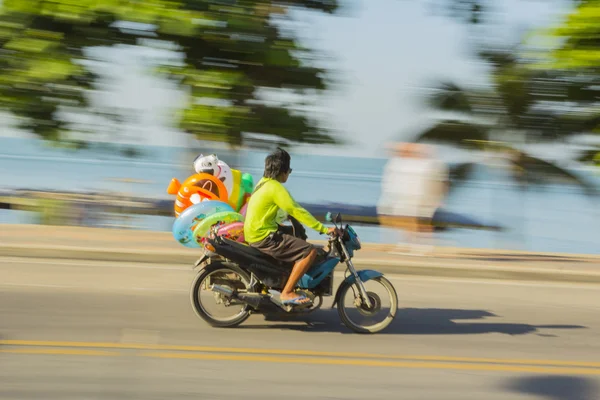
(236, 250)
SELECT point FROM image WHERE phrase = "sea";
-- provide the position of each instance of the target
(549, 218)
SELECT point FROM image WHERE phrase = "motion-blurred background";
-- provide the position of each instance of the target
(104, 101)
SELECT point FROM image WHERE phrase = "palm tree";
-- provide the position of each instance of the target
(514, 110)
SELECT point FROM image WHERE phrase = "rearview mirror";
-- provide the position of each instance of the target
(338, 218)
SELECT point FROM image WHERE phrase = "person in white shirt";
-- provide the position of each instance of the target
(413, 187)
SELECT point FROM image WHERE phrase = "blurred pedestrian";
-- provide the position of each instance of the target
(413, 188)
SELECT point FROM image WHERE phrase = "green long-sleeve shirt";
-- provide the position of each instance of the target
(262, 210)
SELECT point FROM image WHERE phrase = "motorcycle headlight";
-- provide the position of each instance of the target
(353, 238)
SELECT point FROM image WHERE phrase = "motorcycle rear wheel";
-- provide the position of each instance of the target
(196, 301)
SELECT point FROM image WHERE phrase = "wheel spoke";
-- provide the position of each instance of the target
(205, 300)
(357, 316)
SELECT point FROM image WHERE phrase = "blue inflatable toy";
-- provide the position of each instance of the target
(186, 223)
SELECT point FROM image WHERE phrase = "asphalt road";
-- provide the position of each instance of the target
(95, 330)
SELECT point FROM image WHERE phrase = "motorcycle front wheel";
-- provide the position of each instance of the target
(349, 295)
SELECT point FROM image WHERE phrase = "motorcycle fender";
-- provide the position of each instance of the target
(201, 262)
(364, 275)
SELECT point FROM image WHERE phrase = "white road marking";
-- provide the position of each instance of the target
(500, 282)
(94, 288)
(102, 264)
(339, 274)
(37, 285)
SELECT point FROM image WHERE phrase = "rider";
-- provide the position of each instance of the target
(262, 232)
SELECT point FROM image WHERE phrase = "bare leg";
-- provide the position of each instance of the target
(401, 226)
(411, 230)
(388, 222)
(300, 268)
(425, 234)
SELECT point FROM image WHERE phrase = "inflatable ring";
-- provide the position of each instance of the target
(233, 231)
(226, 217)
(184, 225)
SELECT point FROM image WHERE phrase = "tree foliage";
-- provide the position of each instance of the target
(580, 35)
(577, 60)
(552, 92)
(528, 100)
(232, 49)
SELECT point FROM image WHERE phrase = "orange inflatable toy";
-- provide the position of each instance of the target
(196, 188)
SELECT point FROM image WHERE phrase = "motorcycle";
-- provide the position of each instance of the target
(243, 278)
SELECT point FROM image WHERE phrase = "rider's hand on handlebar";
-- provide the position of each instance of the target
(333, 232)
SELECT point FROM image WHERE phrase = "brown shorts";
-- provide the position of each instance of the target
(284, 247)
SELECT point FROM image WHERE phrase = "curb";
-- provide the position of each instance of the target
(82, 253)
(524, 275)
(454, 269)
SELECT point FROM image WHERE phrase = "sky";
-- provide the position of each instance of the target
(385, 52)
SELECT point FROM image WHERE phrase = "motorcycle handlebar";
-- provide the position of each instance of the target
(334, 234)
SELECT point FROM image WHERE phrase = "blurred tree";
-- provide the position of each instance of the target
(552, 94)
(576, 61)
(39, 74)
(518, 108)
(527, 101)
(523, 104)
(234, 51)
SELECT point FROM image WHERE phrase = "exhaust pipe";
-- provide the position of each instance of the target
(252, 299)
(225, 291)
